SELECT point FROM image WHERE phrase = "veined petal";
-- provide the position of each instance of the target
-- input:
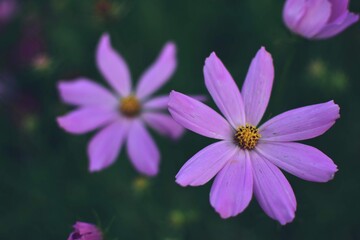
(164, 124)
(86, 119)
(142, 149)
(161, 102)
(198, 117)
(293, 12)
(272, 190)
(113, 67)
(338, 8)
(204, 165)
(314, 19)
(158, 73)
(224, 91)
(105, 146)
(301, 123)
(84, 92)
(338, 26)
(257, 87)
(232, 189)
(303, 161)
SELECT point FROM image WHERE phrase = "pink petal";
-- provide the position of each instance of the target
(84, 92)
(272, 190)
(338, 8)
(86, 119)
(164, 124)
(198, 117)
(161, 102)
(142, 149)
(204, 165)
(104, 148)
(314, 19)
(293, 12)
(301, 123)
(232, 189)
(257, 87)
(300, 160)
(158, 73)
(113, 67)
(224, 91)
(338, 26)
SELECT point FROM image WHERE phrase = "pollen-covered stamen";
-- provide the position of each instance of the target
(247, 136)
(130, 106)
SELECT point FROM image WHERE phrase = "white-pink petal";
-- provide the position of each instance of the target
(86, 119)
(301, 123)
(232, 189)
(113, 67)
(204, 165)
(142, 149)
(198, 117)
(257, 87)
(85, 92)
(301, 160)
(224, 91)
(272, 190)
(158, 73)
(105, 146)
(163, 124)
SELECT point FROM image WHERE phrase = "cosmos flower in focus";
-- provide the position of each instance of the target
(247, 158)
(122, 113)
(85, 231)
(318, 19)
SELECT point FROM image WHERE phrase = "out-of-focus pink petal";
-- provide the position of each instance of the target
(303, 161)
(314, 19)
(198, 117)
(301, 123)
(232, 189)
(257, 87)
(164, 124)
(142, 149)
(86, 119)
(84, 92)
(293, 11)
(85, 231)
(113, 67)
(158, 73)
(224, 91)
(204, 165)
(337, 26)
(161, 102)
(105, 146)
(272, 190)
(338, 8)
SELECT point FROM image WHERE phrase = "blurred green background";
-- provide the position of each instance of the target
(44, 182)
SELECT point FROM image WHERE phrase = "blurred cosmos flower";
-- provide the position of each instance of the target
(85, 231)
(247, 157)
(7, 10)
(122, 114)
(318, 19)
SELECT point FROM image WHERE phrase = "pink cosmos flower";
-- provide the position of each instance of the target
(121, 114)
(247, 158)
(85, 231)
(318, 19)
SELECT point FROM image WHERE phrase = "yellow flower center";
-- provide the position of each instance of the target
(130, 106)
(247, 136)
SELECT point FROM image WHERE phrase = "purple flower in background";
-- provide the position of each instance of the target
(7, 10)
(121, 114)
(247, 158)
(318, 19)
(85, 231)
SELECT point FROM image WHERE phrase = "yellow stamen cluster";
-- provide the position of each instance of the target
(130, 106)
(247, 136)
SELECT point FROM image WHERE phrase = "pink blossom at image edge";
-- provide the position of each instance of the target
(85, 231)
